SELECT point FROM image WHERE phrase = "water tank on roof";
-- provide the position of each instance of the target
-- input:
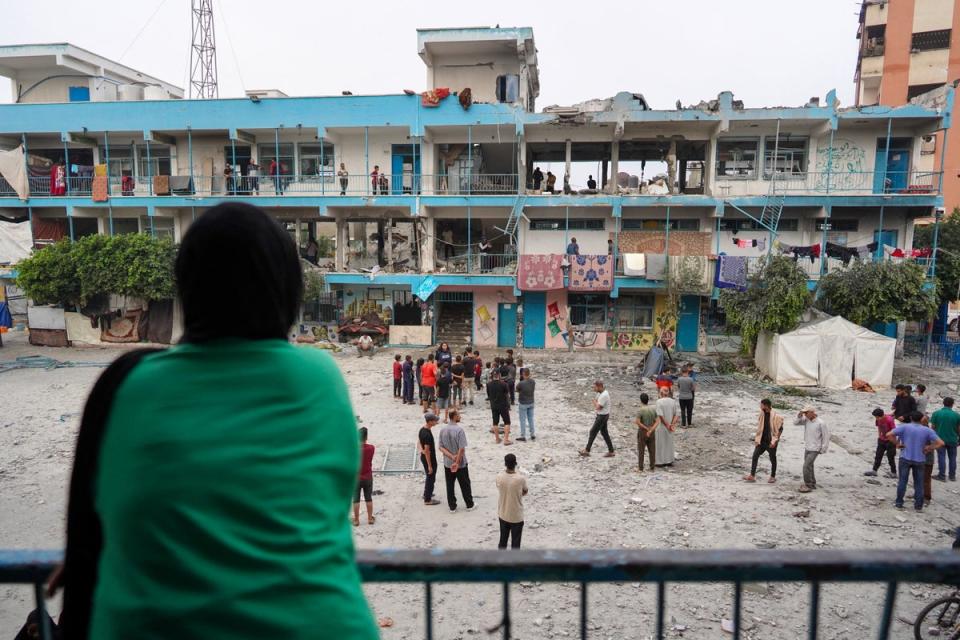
(154, 92)
(129, 92)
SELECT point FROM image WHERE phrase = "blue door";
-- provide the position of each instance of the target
(534, 320)
(688, 325)
(886, 236)
(405, 169)
(891, 173)
(79, 94)
(507, 325)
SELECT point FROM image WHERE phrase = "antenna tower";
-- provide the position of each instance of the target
(203, 51)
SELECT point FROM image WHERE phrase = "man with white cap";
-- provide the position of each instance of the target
(816, 440)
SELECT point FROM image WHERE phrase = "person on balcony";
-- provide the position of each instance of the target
(276, 169)
(591, 183)
(537, 179)
(206, 512)
(384, 184)
(58, 179)
(485, 248)
(253, 177)
(551, 183)
(573, 249)
(229, 186)
(375, 179)
(344, 177)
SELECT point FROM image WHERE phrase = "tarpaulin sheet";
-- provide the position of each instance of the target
(13, 169)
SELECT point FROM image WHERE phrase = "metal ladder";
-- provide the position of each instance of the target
(515, 214)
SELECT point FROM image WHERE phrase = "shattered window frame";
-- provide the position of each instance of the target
(634, 311)
(588, 310)
(740, 144)
(797, 157)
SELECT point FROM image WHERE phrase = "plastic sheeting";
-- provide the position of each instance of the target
(13, 169)
(827, 352)
(15, 241)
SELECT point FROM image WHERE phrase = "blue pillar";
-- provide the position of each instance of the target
(193, 187)
(149, 170)
(66, 162)
(106, 147)
(366, 153)
(26, 162)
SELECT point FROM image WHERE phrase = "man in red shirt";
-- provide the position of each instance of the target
(885, 424)
(428, 383)
(365, 481)
(397, 377)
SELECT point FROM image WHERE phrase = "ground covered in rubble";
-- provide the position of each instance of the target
(699, 503)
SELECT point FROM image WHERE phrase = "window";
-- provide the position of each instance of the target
(791, 156)
(588, 310)
(162, 227)
(737, 158)
(311, 156)
(123, 226)
(732, 224)
(928, 40)
(159, 164)
(874, 41)
(840, 225)
(120, 162)
(508, 88)
(269, 151)
(682, 224)
(714, 318)
(634, 312)
(559, 224)
(920, 89)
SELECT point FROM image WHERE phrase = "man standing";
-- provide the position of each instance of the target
(511, 486)
(668, 413)
(769, 428)
(816, 440)
(456, 391)
(499, 399)
(537, 179)
(601, 405)
(511, 379)
(885, 424)
(365, 481)
(946, 421)
(444, 382)
(903, 404)
(428, 383)
(453, 446)
(477, 368)
(918, 440)
(407, 373)
(573, 249)
(685, 390)
(344, 176)
(397, 377)
(428, 458)
(646, 425)
(469, 373)
(525, 391)
(921, 398)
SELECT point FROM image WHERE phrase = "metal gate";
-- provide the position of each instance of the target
(941, 353)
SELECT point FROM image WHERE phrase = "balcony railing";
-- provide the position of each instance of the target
(491, 263)
(869, 182)
(584, 567)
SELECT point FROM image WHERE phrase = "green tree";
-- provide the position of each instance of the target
(774, 300)
(326, 247)
(49, 276)
(948, 259)
(881, 291)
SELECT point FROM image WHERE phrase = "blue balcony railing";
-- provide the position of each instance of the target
(586, 567)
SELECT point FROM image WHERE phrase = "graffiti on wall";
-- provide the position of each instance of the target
(846, 164)
(629, 340)
(359, 308)
(486, 329)
(581, 338)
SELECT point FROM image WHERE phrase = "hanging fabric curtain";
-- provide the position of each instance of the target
(13, 169)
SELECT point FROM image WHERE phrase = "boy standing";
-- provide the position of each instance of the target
(397, 377)
(646, 425)
(428, 384)
(885, 424)
(365, 480)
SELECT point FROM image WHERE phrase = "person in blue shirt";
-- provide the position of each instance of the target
(573, 249)
(916, 441)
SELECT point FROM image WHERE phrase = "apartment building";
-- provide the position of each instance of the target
(906, 50)
(432, 203)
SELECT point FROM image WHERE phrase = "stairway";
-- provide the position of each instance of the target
(455, 325)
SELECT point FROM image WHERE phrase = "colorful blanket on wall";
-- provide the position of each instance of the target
(124, 329)
(540, 272)
(731, 272)
(591, 273)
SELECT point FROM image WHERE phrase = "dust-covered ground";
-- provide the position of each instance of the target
(700, 502)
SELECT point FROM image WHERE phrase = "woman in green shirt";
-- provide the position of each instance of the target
(212, 480)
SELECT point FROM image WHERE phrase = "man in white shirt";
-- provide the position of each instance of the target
(816, 440)
(602, 406)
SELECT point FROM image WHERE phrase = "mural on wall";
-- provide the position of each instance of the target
(359, 308)
(846, 164)
(629, 340)
(583, 339)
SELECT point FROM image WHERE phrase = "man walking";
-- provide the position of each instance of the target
(769, 428)
(525, 391)
(685, 392)
(885, 424)
(946, 422)
(407, 372)
(917, 440)
(816, 440)
(499, 399)
(601, 405)
(646, 422)
(511, 486)
(453, 446)
(428, 457)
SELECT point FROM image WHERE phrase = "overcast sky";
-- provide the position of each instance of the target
(768, 52)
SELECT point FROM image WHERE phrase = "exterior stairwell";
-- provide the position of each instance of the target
(455, 325)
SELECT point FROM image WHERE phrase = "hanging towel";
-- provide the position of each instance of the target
(732, 272)
(656, 266)
(540, 272)
(786, 248)
(742, 243)
(14, 170)
(634, 264)
(761, 244)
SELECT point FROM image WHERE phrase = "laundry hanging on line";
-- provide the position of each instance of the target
(759, 243)
(812, 251)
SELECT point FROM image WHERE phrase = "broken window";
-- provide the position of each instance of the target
(159, 164)
(575, 224)
(634, 311)
(875, 40)
(737, 158)
(682, 224)
(508, 87)
(920, 89)
(840, 225)
(162, 226)
(743, 224)
(786, 157)
(315, 156)
(588, 310)
(928, 40)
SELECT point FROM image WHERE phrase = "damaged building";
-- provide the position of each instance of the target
(450, 213)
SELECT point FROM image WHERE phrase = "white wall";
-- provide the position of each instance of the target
(461, 72)
(929, 67)
(932, 15)
(542, 242)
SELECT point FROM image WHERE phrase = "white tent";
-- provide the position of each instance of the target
(826, 352)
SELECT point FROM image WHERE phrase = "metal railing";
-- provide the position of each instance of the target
(867, 182)
(491, 263)
(585, 567)
(939, 352)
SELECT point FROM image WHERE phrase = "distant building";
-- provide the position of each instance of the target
(429, 174)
